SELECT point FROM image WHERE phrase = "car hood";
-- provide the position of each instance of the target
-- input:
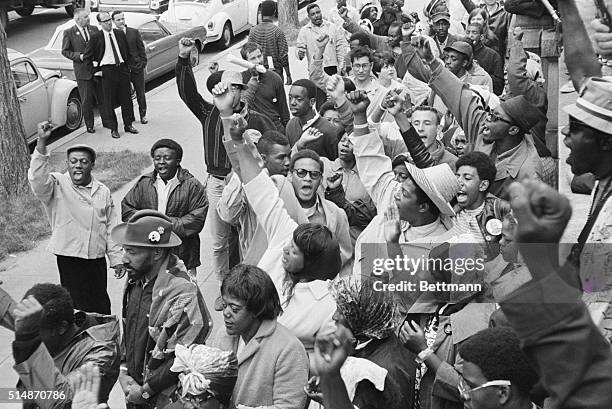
(191, 14)
(52, 60)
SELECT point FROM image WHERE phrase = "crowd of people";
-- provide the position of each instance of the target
(406, 142)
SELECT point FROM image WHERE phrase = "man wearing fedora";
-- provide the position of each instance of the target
(422, 199)
(502, 132)
(81, 213)
(162, 307)
(589, 138)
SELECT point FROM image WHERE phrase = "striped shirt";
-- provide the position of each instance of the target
(273, 44)
(215, 156)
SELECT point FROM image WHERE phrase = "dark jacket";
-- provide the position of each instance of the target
(391, 355)
(326, 145)
(97, 45)
(563, 344)
(187, 207)
(73, 45)
(498, 23)
(137, 56)
(494, 208)
(492, 63)
(215, 156)
(97, 340)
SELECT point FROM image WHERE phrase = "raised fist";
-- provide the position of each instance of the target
(359, 101)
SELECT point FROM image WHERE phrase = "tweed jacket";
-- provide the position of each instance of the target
(272, 370)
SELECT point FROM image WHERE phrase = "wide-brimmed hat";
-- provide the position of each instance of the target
(439, 184)
(594, 104)
(146, 228)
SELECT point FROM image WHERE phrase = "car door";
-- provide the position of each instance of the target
(158, 46)
(236, 10)
(32, 95)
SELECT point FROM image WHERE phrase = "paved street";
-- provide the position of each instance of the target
(168, 118)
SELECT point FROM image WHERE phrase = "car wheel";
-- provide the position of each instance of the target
(26, 11)
(226, 36)
(3, 18)
(74, 112)
(194, 57)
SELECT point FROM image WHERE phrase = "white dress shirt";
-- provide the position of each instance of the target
(163, 192)
(109, 58)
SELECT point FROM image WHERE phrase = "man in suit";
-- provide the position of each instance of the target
(109, 49)
(137, 61)
(73, 47)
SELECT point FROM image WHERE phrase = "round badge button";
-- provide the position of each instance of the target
(494, 227)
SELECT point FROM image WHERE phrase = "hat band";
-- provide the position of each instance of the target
(594, 110)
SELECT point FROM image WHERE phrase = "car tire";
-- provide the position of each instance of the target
(226, 37)
(76, 4)
(25, 11)
(4, 18)
(74, 112)
(194, 57)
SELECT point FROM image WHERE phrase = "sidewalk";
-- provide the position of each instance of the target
(168, 118)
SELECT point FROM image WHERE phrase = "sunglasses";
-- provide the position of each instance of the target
(301, 173)
(465, 391)
(492, 117)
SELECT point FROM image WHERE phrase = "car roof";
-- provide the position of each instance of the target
(131, 20)
(134, 20)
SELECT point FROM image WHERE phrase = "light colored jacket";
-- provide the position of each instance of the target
(272, 370)
(311, 305)
(335, 51)
(80, 221)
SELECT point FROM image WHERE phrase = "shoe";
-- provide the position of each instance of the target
(130, 129)
(91, 130)
(144, 120)
(115, 134)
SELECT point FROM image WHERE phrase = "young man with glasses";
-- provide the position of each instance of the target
(109, 48)
(503, 133)
(496, 372)
(362, 64)
(305, 174)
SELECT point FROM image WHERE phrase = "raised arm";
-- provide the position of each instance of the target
(315, 71)
(518, 81)
(580, 57)
(41, 180)
(187, 87)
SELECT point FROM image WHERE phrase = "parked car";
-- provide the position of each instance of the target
(44, 96)
(142, 6)
(160, 39)
(223, 19)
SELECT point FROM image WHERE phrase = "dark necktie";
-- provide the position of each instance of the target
(86, 34)
(114, 49)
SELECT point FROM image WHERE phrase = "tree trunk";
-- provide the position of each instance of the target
(288, 15)
(14, 154)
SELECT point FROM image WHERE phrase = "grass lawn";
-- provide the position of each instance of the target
(23, 221)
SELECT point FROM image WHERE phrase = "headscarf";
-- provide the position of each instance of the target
(368, 313)
(205, 369)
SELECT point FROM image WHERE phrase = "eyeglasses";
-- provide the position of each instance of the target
(301, 173)
(465, 391)
(105, 21)
(492, 117)
(361, 67)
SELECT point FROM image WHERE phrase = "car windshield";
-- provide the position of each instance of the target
(57, 42)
